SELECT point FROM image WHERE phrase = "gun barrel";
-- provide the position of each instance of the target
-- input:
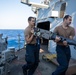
(69, 41)
(51, 36)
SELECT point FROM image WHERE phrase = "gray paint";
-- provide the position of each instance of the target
(45, 15)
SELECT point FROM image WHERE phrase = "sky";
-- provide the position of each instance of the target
(14, 14)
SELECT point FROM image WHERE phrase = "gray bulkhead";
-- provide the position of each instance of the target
(53, 16)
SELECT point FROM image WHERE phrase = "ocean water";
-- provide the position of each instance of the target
(15, 37)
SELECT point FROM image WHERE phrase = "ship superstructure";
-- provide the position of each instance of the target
(50, 14)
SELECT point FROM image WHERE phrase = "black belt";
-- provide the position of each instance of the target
(32, 44)
(63, 45)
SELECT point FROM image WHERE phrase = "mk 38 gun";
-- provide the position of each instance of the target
(51, 36)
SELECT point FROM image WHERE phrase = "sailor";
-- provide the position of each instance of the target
(63, 49)
(32, 49)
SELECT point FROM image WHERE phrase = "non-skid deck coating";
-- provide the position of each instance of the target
(44, 68)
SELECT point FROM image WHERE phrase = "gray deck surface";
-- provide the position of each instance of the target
(44, 68)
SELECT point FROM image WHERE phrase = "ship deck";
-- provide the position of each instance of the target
(45, 67)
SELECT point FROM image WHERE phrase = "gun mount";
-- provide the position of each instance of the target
(6, 55)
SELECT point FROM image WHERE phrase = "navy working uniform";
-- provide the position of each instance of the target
(63, 52)
(32, 54)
